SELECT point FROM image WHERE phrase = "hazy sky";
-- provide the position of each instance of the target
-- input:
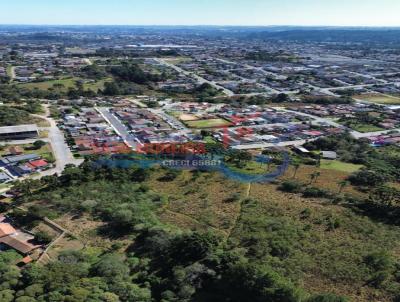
(202, 12)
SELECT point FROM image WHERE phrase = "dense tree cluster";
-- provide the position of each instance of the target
(12, 116)
(132, 72)
(14, 93)
(94, 71)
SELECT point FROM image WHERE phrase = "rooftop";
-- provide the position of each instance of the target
(20, 128)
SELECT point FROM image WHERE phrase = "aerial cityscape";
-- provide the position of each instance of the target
(200, 152)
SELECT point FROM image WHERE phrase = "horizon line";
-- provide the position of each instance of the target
(203, 25)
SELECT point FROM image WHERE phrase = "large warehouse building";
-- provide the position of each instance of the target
(19, 132)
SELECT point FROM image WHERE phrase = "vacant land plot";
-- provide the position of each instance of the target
(379, 99)
(10, 71)
(251, 168)
(363, 128)
(321, 246)
(329, 179)
(178, 60)
(323, 258)
(97, 85)
(200, 200)
(188, 117)
(65, 84)
(339, 166)
(211, 123)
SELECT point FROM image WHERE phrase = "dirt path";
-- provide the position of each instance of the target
(239, 214)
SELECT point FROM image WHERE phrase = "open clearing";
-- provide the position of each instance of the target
(364, 128)
(379, 99)
(339, 166)
(188, 117)
(211, 123)
(324, 260)
(67, 83)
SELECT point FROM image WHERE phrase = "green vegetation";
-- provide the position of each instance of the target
(378, 99)
(131, 72)
(359, 152)
(11, 116)
(364, 122)
(364, 128)
(326, 100)
(205, 92)
(271, 57)
(340, 166)
(250, 167)
(297, 238)
(39, 147)
(168, 235)
(9, 71)
(210, 123)
(62, 84)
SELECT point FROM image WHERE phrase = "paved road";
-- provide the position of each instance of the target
(325, 91)
(61, 151)
(370, 134)
(118, 127)
(199, 79)
(318, 119)
(367, 76)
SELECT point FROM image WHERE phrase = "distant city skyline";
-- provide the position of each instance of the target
(202, 12)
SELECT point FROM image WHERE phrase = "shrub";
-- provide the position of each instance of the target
(43, 237)
(313, 192)
(306, 213)
(291, 186)
(233, 198)
(367, 178)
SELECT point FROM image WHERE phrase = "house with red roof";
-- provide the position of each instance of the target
(15, 239)
(39, 164)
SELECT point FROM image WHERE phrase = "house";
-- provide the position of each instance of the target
(332, 155)
(15, 239)
(301, 150)
(4, 177)
(15, 150)
(38, 164)
(11, 160)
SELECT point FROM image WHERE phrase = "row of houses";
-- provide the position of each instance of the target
(148, 127)
(272, 134)
(88, 133)
(385, 139)
(253, 115)
(14, 166)
(389, 118)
